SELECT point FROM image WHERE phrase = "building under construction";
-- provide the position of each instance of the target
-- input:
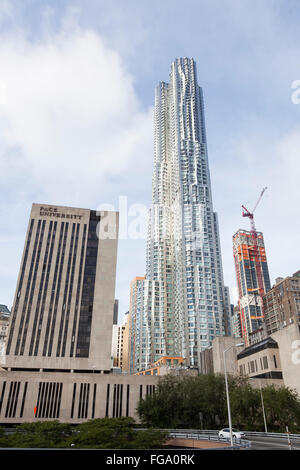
(252, 279)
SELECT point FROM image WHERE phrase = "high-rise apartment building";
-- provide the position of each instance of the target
(146, 326)
(236, 329)
(120, 343)
(282, 303)
(250, 262)
(63, 309)
(184, 278)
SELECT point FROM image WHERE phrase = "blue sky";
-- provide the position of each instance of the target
(77, 83)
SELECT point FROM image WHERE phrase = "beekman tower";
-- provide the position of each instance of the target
(180, 308)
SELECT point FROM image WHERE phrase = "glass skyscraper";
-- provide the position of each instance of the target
(185, 308)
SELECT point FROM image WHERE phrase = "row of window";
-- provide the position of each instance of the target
(252, 366)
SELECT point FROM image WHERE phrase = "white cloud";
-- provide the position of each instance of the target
(72, 132)
(70, 113)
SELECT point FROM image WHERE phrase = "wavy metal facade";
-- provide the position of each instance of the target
(183, 248)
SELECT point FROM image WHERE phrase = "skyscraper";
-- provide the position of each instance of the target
(248, 259)
(66, 285)
(183, 249)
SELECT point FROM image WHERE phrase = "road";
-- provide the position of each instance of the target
(271, 443)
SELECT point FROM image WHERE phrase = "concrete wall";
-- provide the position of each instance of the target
(264, 362)
(288, 340)
(70, 397)
(219, 345)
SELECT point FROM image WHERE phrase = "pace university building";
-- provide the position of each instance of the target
(58, 358)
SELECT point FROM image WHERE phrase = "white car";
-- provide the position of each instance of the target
(235, 433)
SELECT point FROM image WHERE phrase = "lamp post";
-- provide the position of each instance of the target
(227, 389)
(262, 404)
(263, 407)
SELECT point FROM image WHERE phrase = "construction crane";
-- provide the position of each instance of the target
(247, 213)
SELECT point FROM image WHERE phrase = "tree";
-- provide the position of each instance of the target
(40, 434)
(165, 408)
(245, 404)
(282, 407)
(114, 433)
(180, 401)
(106, 433)
(3, 438)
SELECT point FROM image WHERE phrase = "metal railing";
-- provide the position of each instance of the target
(208, 436)
(278, 435)
(212, 432)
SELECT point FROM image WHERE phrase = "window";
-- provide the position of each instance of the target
(265, 362)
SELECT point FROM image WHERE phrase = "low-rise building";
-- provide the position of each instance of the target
(272, 360)
(169, 365)
(71, 397)
(212, 359)
(275, 359)
(261, 360)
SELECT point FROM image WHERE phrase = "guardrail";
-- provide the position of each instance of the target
(211, 432)
(278, 435)
(238, 443)
(258, 434)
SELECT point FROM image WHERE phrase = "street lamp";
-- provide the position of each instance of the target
(227, 390)
(262, 403)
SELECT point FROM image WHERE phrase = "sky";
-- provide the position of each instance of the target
(77, 81)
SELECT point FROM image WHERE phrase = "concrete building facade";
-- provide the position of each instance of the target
(58, 362)
(70, 397)
(288, 340)
(212, 359)
(63, 308)
(273, 359)
(261, 360)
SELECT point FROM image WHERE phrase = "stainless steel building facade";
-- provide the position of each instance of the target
(183, 250)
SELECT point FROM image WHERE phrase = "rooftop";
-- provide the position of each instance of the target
(4, 309)
(254, 348)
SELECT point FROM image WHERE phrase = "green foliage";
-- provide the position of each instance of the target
(282, 408)
(3, 438)
(40, 434)
(185, 402)
(200, 402)
(117, 433)
(106, 433)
